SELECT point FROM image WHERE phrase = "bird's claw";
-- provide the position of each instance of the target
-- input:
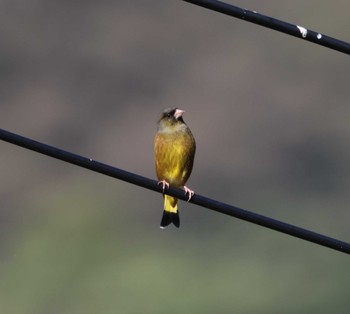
(189, 192)
(164, 184)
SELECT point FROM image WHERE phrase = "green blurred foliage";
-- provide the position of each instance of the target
(270, 116)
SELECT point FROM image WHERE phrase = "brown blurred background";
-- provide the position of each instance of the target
(270, 114)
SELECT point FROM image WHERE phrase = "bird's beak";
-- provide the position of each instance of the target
(178, 113)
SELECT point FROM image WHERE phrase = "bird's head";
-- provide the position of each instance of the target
(171, 120)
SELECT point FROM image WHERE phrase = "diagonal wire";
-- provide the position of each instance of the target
(278, 25)
(150, 184)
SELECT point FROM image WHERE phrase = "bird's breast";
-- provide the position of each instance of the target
(174, 154)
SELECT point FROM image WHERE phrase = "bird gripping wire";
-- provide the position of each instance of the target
(150, 184)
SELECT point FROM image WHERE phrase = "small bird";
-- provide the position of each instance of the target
(174, 149)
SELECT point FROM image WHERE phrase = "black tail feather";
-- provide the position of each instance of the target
(168, 218)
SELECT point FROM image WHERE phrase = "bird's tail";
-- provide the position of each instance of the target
(170, 213)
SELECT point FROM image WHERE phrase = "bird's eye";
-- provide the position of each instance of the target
(168, 115)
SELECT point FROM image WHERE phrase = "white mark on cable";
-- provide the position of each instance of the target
(303, 31)
(319, 36)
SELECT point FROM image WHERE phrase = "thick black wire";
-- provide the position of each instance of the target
(278, 25)
(150, 184)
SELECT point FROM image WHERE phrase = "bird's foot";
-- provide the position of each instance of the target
(189, 192)
(164, 184)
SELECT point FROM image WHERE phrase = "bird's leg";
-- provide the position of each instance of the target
(164, 184)
(189, 192)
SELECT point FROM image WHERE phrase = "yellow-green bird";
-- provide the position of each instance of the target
(174, 149)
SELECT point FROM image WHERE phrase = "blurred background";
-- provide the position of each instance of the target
(270, 114)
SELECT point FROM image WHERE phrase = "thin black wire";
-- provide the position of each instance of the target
(150, 184)
(278, 25)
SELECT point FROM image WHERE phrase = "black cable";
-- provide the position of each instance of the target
(196, 199)
(278, 25)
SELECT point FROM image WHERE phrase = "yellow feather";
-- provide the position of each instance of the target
(170, 204)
